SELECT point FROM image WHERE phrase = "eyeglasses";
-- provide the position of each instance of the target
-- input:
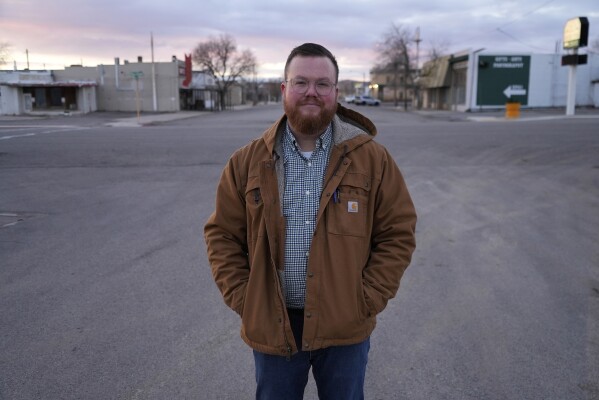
(301, 86)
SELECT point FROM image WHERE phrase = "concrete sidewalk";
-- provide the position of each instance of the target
(115, 119)
(154, 119)
(534, 114)
(147, 119)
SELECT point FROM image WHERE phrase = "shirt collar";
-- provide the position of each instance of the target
(324, 141)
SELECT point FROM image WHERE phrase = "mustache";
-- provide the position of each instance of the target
(313, 100)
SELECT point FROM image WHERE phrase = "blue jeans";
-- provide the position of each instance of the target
(338, 371)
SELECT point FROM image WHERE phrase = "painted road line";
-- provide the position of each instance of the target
(16, 136)
(42, 133)
(38, 126)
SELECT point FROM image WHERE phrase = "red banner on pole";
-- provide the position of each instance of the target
(187, 80)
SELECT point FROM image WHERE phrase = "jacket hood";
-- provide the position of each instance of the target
(356, 119)
(349, 127)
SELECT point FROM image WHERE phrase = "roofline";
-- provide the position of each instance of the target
(49, 84)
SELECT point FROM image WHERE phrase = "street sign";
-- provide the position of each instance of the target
(502, 78)
(137, 74)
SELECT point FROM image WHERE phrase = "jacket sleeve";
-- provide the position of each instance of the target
(393, 237)
(226, 239)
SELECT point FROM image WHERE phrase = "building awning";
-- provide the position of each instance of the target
(436, 75)
(78, 84)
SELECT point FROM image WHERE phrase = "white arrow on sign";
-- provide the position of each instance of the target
(514, 90)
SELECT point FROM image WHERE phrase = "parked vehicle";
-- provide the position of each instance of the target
(367, 101)
(350, 99)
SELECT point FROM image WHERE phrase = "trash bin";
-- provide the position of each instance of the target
(512, 110)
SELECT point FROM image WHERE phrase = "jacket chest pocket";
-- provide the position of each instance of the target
(348, 208)
(254, 205)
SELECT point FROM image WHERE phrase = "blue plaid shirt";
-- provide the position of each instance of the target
(304, 178)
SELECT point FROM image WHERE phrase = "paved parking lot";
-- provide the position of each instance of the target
(105, 290)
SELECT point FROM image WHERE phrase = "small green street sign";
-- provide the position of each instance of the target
(503, 78)
(137, 74)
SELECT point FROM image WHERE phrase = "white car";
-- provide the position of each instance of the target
(367, 100)
(350, 99)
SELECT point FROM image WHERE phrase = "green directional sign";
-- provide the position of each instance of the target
(503, 78)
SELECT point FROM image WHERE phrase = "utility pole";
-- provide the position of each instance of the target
(154, 97)
(27, 54)
(417, 40)
(416, 86)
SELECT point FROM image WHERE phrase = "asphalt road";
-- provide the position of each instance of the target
(105, 290)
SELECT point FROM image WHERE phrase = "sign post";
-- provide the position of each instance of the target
(571, 99)
(576, 34)
(136, 75)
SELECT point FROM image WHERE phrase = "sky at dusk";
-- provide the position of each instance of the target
(59, 33)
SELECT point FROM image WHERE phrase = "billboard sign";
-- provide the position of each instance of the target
(502, 78)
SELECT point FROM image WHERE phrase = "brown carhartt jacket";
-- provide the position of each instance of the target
(363, 242)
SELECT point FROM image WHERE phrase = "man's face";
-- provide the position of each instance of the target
(309, 113)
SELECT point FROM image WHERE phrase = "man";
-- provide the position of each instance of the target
(312, 231)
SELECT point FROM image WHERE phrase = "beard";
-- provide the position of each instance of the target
(309, 124)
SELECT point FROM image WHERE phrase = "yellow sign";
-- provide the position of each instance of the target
(576, 33)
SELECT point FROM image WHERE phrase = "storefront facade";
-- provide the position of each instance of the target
(39, 91)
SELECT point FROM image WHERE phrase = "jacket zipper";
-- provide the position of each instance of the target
(279, 289)
(280, 295)
(276, 157)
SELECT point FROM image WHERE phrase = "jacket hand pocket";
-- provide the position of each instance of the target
(254, 206)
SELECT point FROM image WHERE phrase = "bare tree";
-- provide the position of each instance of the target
(394, 56)
(4, 52)
(220, 57)
(437, 49)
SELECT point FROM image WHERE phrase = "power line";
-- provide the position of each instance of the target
(520, 41)
(498, 29)
(526, 14)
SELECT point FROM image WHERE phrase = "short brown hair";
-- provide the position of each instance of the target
(312, 50)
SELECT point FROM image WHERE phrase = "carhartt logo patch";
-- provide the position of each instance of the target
(352, 206)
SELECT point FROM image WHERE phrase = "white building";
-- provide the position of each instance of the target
(479, 80)
(129, 85)
(27, 91)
